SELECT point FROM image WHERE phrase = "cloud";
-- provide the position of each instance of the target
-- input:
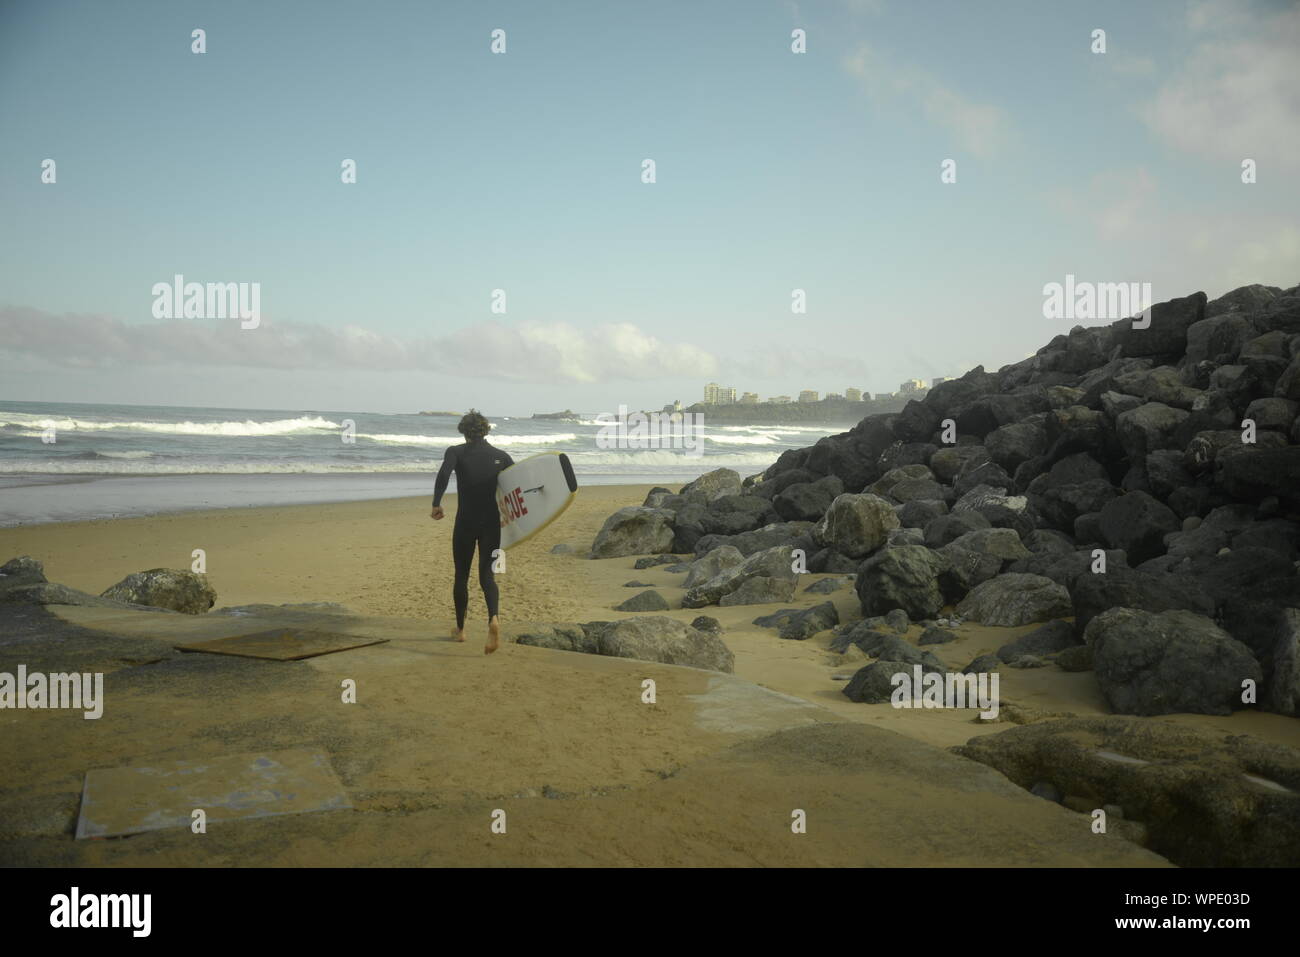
(553, 352)
(980, 128)
(1118, 204)
(1236, 96)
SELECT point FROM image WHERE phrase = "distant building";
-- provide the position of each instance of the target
(853, 395)
(711, 394)
(807, 395)
(749, 398)
(834, 397)
(939, 378)
(779, 399)
(911, 386)
(727, 396)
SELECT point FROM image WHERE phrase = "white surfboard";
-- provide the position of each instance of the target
(533, 493)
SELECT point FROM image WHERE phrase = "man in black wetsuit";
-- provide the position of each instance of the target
(478, 522)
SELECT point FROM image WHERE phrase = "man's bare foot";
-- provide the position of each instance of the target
(494, 636)
(458, 634)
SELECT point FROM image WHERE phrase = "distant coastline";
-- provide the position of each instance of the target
(822, 412)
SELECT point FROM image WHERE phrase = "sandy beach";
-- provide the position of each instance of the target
(442, 733)
(388, 558)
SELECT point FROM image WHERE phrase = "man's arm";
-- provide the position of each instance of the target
(444, 476)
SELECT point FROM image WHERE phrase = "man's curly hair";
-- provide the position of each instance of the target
(474, 426)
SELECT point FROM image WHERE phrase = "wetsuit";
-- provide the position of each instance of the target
(478, 522)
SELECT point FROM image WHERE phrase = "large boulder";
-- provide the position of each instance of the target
(179, 590)
(748, 543)
(905, 577)
(712, 565)
(949, 462)
(1257, 473)
(1137, 523)
(1165, 334)
(801, 623)
(635, 530)
(856, 525)
(1016, 443)
(773, 563)
(1015, 599)
(885, 484)
(1123, 587)
(715, 484)
(1147, 428)
(1168, 663)
(978, 556)
(807, 501)
(666, 640)
(948, 528)
(1052, 638)
(18, 572)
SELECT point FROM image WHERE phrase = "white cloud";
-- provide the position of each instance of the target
(553, 352)
(980, 128)
(1236, 95)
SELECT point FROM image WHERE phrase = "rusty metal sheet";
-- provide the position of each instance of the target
(281, 644)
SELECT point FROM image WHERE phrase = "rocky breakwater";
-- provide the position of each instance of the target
(1142, 479)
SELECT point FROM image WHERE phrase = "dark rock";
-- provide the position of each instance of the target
(1168, 663)
(832, 561)
(772, 563)
(856, 525)
(179, 590)
(747, 543)
(934, 635)
(645, 601)
(707, 624)
(1166, 334)
(905, 577)
(1124, 587)
(1137, 523)
(948, 528)
(635, 531)
(828, 585)
(984, 664)
(1054, 637)
(798, 624)
(1013, 599)
(715, 484)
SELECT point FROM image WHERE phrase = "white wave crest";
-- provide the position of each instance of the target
(248, 427)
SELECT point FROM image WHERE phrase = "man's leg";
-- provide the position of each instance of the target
(462, 555)
(489, 541)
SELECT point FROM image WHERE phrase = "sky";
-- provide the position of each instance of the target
(522, 171)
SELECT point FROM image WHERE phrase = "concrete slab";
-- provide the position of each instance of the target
(152, 797)
(732, 705)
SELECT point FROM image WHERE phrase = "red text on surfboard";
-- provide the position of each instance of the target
(512, 506)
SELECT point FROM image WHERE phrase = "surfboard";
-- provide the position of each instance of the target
(533, 493)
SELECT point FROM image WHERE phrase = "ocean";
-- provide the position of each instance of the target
(116, 460)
